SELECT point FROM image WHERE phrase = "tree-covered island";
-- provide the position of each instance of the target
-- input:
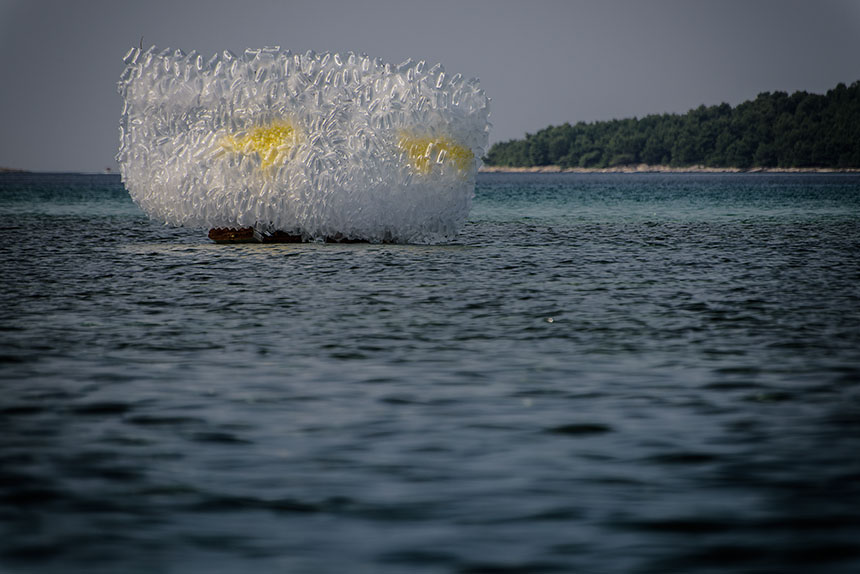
(775, 130)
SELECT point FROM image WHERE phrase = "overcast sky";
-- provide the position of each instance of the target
(543, 62)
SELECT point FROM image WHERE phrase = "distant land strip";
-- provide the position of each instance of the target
(776, 131)
(646, 168)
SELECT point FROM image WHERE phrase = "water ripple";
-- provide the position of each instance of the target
(601, 374)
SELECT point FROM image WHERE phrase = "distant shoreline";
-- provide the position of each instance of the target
(641, 168)
(645, 168)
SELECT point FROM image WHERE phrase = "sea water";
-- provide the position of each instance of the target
(601, 373)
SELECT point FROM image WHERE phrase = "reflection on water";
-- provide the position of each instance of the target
(603, 374)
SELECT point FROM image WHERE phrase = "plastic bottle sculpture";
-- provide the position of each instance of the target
(311, 146)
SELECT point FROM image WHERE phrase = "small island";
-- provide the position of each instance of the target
(801, 132)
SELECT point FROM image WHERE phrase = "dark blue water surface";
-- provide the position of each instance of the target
(608, 373)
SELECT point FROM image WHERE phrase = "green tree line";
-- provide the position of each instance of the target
(773, 130)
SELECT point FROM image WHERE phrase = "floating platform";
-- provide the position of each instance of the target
(257, 235)
(251, 235)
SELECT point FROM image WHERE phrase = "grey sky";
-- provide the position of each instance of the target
(541, 61)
